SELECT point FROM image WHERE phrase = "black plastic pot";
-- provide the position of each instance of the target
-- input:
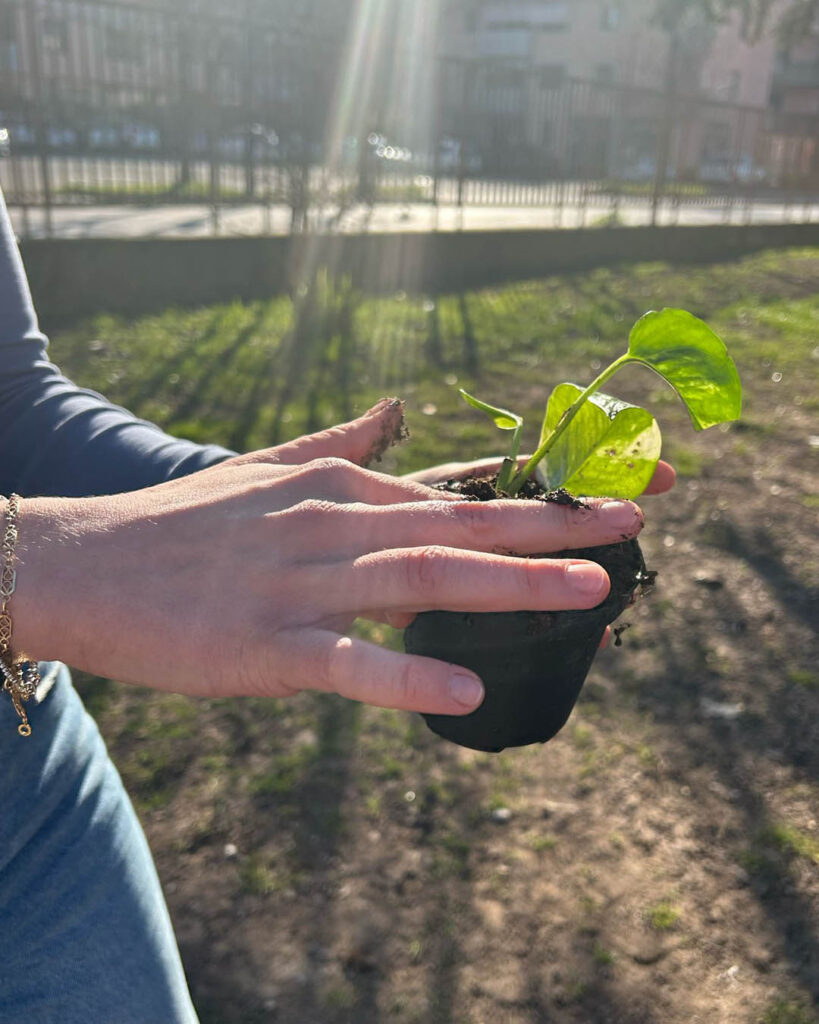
(533, 664)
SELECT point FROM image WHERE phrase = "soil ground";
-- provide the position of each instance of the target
(656, 863)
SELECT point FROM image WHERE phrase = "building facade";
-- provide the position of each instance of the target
(584, 87)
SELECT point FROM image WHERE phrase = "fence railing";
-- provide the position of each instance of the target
(106, 102)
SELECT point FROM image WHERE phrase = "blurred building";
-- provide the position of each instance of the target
(146, 72)
(613, 43)
(795, 104)
(571, 84)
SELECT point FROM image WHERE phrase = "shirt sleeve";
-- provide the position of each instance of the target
(61, 440)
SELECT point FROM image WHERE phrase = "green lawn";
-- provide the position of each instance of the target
(659, 860)
(251, 375)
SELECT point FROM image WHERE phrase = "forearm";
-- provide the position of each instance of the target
(59, 439)
(56, 438)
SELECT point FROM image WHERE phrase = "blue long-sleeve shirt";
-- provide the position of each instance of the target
(61, 440)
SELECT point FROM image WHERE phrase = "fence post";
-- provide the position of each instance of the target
(184, 105)
(30, 15)
(667, 127)
(464, 118)
(247, 90)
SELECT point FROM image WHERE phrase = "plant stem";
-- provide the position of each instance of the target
(510, 463)
(565, 420)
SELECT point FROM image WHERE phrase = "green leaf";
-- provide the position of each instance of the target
(610, 448)
(501, 417)
(695, 362)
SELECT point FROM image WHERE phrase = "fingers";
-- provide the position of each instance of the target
(337, 480)
(432, 577)
(356, 669)
(362, 441)
(605, 641)
(663, 479)
(521, 527)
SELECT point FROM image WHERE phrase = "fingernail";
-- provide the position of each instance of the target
(622, 514)
(465, 689)
(588, 580)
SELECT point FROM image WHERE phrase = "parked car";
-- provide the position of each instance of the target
(105, 136)
(21, 134)
(726, 170)
(141, 136)
(61, 138)
(231, 145)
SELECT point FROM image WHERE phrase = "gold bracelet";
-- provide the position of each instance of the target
(20, 677)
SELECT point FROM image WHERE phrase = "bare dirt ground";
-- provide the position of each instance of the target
(657, 863)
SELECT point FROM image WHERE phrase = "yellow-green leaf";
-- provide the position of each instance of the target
(610, 448)
(694, 360)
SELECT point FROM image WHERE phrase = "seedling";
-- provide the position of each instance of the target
(595, 445)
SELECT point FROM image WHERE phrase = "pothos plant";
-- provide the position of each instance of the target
(592, 444)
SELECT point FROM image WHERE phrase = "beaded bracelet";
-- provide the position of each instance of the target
(20, 677)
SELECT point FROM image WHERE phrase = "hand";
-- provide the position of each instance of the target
(663, 480)
(244, 578)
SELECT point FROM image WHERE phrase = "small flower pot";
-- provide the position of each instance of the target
(533, 664)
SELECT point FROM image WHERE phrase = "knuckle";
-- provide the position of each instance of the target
(331, 466)
(531, 579)
(321, 670)
(425, 568)
(479, 522)
(314, 508)
(307, 515)
(567, 517)
(410, 685)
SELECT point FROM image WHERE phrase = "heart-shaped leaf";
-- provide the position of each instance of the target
(610, 448)
(695, 362)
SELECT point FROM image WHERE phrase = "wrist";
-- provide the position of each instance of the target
(53, 559)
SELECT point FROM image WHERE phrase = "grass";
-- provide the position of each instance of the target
(256, 877)
(251, 375)
(313, 788)
(543, 844)
(809, 678)
(602, 957)
(791, 841)
(786, 1011)
(663, 916)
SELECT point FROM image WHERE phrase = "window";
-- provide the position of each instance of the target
(54, 34)
(471, 18)
(123, 44)
(506, 42)
(542, 15)
(611, 17)
(8, 42)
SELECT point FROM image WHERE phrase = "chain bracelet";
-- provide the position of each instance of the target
(20, 678)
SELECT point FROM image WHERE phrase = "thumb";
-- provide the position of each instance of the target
(361, 441)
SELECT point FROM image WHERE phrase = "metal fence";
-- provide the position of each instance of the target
(108, 102)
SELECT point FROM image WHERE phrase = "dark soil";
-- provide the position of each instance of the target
(394, 431)
(658, 861)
